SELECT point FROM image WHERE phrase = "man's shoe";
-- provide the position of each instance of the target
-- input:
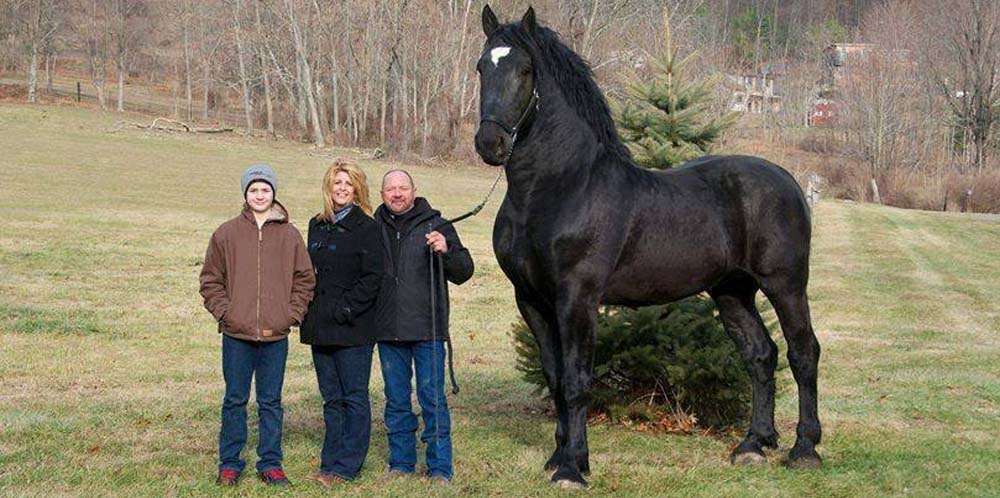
(274, 477)
(393, 474)
(326, 479)
(228, 477)
(440, 480)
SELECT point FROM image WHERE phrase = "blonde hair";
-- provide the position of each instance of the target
(358, 180)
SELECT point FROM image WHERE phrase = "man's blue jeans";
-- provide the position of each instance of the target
(397, 360)
(242, 361)
(343, 374)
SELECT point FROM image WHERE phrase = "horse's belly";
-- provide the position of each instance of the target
(663, 281)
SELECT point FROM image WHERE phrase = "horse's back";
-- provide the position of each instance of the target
(767, 212)
(712, 216)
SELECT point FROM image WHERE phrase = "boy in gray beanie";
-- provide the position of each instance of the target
(257, 282)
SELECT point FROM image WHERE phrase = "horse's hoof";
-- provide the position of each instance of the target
(569, 484)
(747, 453)
(748, 458)
(566, 478)
(804, 459)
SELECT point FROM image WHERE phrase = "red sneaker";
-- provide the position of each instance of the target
(274, 477)
(227, 477)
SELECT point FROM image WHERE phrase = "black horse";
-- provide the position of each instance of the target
(582, 225)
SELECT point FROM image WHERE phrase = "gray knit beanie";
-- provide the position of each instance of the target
(259, 172)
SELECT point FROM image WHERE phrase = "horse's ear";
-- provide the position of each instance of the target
(528, 21)
(490, 23)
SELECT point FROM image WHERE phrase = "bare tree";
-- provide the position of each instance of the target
(964, 66)
(241, 51)
(265, 67)
(880, 96)
(39, 20)
(306, 80)
(91, 32)
(124, 39)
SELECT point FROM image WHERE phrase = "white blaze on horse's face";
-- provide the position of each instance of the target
(498, 53)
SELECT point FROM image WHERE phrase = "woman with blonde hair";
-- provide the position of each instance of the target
(346, 253)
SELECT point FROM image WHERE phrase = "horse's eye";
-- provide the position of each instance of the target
(525, 71)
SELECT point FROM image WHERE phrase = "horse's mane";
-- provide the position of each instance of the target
(572, 75)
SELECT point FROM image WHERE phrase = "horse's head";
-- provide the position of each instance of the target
(506, 89)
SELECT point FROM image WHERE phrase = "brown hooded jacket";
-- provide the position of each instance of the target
(257, 282)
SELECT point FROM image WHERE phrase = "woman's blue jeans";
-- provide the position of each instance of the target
(343, 374)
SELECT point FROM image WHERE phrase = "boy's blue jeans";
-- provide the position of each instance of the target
(241, 362)
(398, 360)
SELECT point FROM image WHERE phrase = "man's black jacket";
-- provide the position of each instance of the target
(404, 301)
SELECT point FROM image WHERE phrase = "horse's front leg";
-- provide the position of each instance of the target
(542, 325)
(576, 315)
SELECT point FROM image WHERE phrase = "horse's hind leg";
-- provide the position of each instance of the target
(735, 300)
(546, 336)
(788, 296)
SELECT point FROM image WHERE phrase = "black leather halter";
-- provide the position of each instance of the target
(529, 110)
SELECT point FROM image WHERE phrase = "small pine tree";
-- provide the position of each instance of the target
(665, 122)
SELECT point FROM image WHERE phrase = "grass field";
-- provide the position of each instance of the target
(110, 381)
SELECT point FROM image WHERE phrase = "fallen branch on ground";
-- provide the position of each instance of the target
(171, 125)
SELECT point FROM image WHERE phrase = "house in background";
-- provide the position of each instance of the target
(843, 64)
(757, 93)
(822, 113)
(837, 62)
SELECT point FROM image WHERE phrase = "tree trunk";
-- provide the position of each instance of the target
(301, 112)
(241, 61)
(320, 99)
(875, 195)
(99, 88)
(382, 113)
(307, 81)
(121, 86)
(426, 122)
(268, 105)
(33, 75)
(206, 88)
(187, 68)
(336, 100)
(265, 73)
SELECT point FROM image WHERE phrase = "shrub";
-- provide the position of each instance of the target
(659, 359)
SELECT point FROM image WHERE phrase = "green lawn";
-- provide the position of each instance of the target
(110, 381)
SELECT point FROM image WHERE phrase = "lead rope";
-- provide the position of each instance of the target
(437, 392)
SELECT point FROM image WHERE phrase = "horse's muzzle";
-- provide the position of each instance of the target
(492, 143)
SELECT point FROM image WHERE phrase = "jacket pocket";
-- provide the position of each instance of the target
(229, 326)
(286, 320)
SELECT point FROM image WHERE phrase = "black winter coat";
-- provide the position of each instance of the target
(348, 259)
(404, 299)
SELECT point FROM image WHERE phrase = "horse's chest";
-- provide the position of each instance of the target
(520, 257)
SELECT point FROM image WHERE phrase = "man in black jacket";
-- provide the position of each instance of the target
(411, 334)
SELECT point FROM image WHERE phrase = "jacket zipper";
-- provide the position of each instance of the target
(260, 238)
(399, 263)
(397, 257)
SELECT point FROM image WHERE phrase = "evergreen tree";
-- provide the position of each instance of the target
(665, 122)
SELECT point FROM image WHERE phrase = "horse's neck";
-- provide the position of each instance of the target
(557, 154)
